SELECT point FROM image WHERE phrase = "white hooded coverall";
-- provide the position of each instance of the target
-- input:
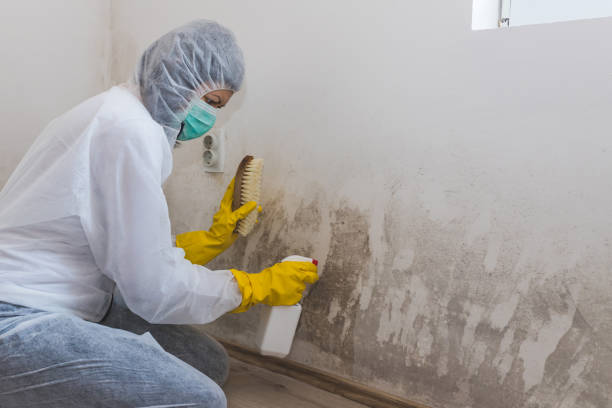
(85, 210)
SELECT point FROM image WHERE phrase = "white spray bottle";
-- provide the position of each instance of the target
(278, 324)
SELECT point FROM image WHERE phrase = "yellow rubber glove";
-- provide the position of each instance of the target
(202, 246)
(279, 285)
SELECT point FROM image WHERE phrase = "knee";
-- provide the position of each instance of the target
(217, 398)
(209, 395)
(181, 388)
(197, 349)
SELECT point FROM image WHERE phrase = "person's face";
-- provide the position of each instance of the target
(218, 99)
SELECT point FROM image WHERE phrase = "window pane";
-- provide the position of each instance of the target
(548, 11)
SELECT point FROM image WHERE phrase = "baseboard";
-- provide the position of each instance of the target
(320, 379)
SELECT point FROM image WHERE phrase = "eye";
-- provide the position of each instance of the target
(213, 103)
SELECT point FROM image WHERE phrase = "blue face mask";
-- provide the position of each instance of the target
(199, 120)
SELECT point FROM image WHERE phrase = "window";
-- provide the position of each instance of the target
(509, 13)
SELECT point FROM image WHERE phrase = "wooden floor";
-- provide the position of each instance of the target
(254, 387)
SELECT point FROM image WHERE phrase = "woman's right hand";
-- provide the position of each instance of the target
(280, 285)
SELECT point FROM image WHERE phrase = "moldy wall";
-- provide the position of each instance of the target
(454, 184)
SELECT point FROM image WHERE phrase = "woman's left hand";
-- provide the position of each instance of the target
(202, 246)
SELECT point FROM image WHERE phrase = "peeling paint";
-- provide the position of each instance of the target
(535, 350)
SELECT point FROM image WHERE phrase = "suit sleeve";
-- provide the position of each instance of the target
(128, 229)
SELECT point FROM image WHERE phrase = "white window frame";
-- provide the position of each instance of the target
(487, 14)
(505, 7)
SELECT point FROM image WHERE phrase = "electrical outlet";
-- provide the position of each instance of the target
(214, 151)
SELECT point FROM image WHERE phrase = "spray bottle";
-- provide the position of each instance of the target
(278, 324)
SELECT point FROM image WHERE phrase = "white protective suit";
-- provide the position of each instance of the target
(85, 207)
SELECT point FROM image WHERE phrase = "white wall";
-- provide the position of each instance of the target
(54, 55)
(455, 183)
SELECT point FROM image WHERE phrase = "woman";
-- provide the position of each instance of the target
(84, 212)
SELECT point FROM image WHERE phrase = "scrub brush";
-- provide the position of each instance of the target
(247, 187)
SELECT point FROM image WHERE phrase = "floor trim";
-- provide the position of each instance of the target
(320, 379)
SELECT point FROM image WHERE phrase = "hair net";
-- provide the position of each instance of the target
(184, 65)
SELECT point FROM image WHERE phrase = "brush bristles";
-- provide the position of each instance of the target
(250, 191)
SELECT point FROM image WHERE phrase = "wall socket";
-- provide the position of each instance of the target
(214, 151)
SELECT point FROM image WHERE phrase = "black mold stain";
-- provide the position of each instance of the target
(272, 243)
(580, 342)
(457, 283)
(348, 259)
(307, 217)
(272, 236)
